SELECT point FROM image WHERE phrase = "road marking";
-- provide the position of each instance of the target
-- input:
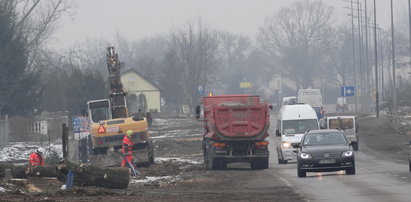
(287, 182)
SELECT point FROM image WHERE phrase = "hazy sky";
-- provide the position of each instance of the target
(137, 19)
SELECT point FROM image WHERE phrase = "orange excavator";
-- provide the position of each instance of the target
(109, 121)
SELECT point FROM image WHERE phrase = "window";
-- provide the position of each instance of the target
(332, 138)
(99, 114)
(299, 126)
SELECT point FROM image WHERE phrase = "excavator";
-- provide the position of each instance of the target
(109, 121)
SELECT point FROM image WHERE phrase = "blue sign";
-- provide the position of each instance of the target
(347, 91)
(81, 124)
(200, 89)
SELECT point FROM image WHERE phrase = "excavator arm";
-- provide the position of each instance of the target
(117, 93)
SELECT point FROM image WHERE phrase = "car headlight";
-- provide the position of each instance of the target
(347, 153)
(305, 156)
(285, 144)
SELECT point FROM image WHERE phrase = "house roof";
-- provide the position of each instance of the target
(136, 72)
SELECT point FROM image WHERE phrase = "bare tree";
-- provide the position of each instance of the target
(233, 51)
(26, 24)
(295, 37)
(193, 52)
(340, 58)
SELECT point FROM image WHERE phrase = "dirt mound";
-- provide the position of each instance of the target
(376, 135)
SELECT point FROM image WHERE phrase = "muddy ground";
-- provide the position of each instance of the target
(179, 173)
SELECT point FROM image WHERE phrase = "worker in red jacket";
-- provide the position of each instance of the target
(127, 148)
(36, 158)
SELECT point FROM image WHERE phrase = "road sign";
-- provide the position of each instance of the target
(245, 85)
(81, 124)
(201, 89)
(347, 91)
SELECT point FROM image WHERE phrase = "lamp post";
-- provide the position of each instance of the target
(409, 21)
(377, 110)
(394, 90)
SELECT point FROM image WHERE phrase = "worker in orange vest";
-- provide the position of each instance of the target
(127, 148)
(36, 158)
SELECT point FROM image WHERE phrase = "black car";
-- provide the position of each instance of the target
(324, 150)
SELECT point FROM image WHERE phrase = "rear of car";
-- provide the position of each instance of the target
(349, 125)
(324, 151)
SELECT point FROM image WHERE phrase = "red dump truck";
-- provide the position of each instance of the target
(235, 130)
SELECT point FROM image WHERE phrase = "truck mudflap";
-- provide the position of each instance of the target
(218, 154)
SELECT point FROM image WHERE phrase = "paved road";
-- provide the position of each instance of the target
(375, 179)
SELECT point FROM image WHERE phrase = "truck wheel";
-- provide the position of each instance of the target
(259, 163)
(220, 164)
(151, 156)
(209, 161)
(300, 172)
(151, 152)
(264, 163)
(98, 151)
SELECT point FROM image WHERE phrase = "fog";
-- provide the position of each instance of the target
(136, 19)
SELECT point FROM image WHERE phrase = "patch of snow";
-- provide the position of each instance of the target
(151, 179)
(160, 121)
(2, 189)
(162, 159)
(21, 150)
(177, 133)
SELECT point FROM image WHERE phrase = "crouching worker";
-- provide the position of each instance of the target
(36, 158)
(127, 149)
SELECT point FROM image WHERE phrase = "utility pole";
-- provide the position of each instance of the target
(360, 45)
(409, 21)
(353, 56)
(367, 62)
(377, 110)
(394, 90)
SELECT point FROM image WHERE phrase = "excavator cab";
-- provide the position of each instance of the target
(99, 110)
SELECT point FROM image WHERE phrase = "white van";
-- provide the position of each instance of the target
(346, 123)
(289, 100)
(312, 97)
(293, 121)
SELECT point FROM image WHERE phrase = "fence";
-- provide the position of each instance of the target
(4, 131)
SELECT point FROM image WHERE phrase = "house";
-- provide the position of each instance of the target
(141, 93)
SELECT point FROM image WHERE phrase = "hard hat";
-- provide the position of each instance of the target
(129, 133)
(41, 150)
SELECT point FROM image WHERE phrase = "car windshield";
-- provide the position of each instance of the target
(341, 123)
(299, 126)
(331, 138)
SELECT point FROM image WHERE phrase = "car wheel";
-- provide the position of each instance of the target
(409, 162)
(351, 171)
(281, 158)
(300, 172)
(355, 146)
(280, 161)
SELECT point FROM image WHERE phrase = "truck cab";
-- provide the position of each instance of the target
(99, 110)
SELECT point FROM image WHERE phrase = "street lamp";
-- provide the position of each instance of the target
(377, 110)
